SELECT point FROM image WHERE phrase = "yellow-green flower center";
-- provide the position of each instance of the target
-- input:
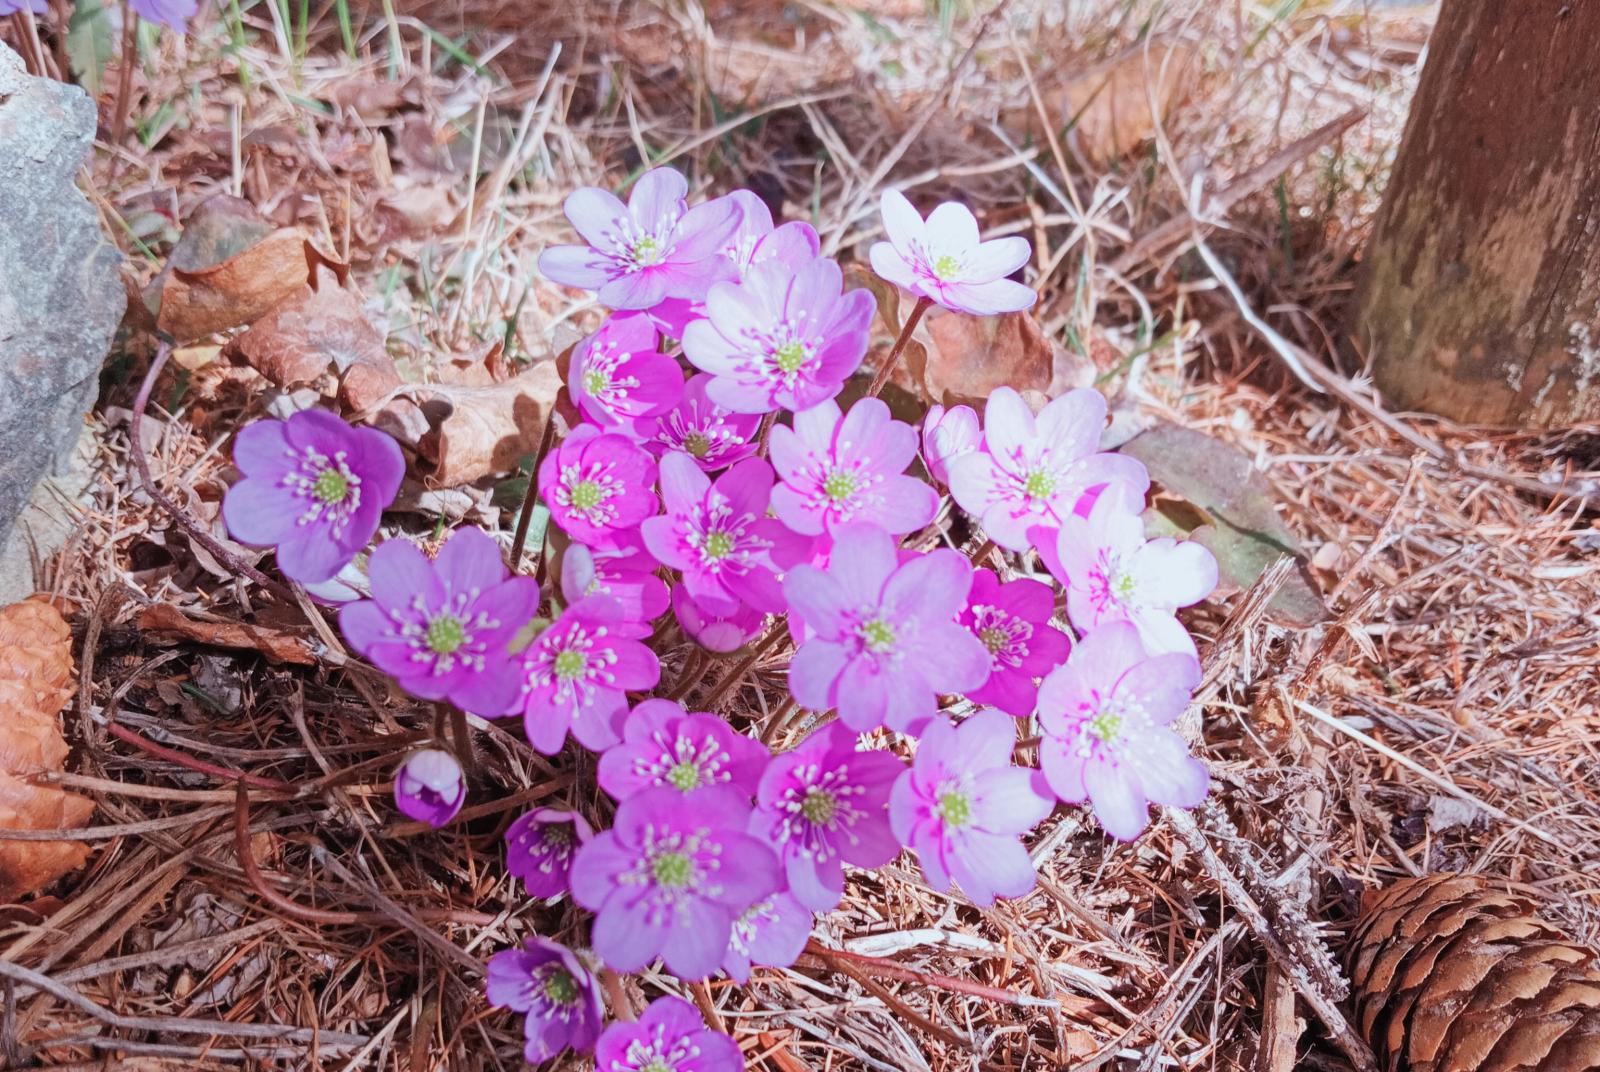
(1040, 484)
(647, 250)
(585, 495)
(1107, 726)
(570, 664)
(955, 808)
(595, 381)
(819, 806)
(947, 267)
(995, 639)
(1123, 584)
(697, 444)
(560, 987)
(331, 486)
(718, 545)
(790, 356)
(878, 636)
(446, 634)
(658, 1064)
(672, 869)
(839, 485)
(557, 836)
(685, 776)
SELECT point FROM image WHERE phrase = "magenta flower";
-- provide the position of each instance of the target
(713, 436)
(540, 846)
(443, 629)
(962, 805)
(719, 628)
(664, 746)
(597, 484)
(718, 534)
(429, 787)
(772, 932)
(947, 434)
(1012, 621)
(823, 805)
(1106, 717)
(1033, 471)
(783, 337)
(617, 375)
(838, 469)
(173, 14)
(314, 488)
(670, 878)
(655, 247)
(669, 1037)
(622, 569)
(884, 638)
(576, 674)
(1113, 574)
(557, 993)
(942, 259)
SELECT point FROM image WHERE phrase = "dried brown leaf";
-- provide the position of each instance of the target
(476, 431)
(165, 624)
(317, 336)
(969, 356)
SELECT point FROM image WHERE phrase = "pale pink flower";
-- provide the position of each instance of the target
(714, 436)
(836, 469)
(942, 259)
(947, 434)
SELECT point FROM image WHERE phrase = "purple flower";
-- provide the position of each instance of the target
(1106, 716)
(1012, 621)
(716, 629)
(670, 878)
(429, 787)
(173, 14)
(1113, 574)
(718, 534)
(558, 994)
(576, 674)
(838, 469)
(13, 7)
(823, 805)
(962, 804)
(664, 746)
(1033, 471)
(772, 932)
(784, 337)
(443, 629)
(618, 376)
(655, 247)
(669, 1037)
(884, 638)
(540, 846)
(597, 484)
(947, 434)
(314, 488)
(943, 260)
(713, 436)
(622, 569)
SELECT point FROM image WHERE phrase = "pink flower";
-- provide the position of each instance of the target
(669, 1037)
(429, 787)
(443, 629)
(962, 805)
(1113, 574)
(823, 805)
(172, 14)
(719, 535)
(576, 674)
(597, 485)
(1106, 716)
(943, 260)
(622, 569)
(555, 989)
(1033, 471)
(884, 640)
(947, 434)
(721, 629)
(784, 337)
(713, 436)
(836, 470)
(670, 878)
(665, 747)
(1012, 621)
(618, 376)
(772, 932)
(656, 247)
(314, 487)
(540, 846)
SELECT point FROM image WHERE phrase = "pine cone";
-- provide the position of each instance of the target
(1451, 975)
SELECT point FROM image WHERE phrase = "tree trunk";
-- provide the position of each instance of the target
(1480, 294)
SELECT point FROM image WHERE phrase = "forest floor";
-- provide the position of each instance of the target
(1208, 169)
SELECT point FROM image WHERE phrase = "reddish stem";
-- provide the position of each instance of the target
(200, 766)
(899, 347)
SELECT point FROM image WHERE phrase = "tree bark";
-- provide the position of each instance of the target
(1479, 298)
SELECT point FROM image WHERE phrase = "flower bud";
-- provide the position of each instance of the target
(429, 786)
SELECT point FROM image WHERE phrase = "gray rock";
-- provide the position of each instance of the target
(61, 295)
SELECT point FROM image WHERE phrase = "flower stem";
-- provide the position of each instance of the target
(463, 741)
(899, 347)
(693, 668)
(616, 996)
(130, 52)
(531, 496)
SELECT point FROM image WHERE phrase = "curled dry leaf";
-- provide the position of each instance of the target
(969, 356)
(164, 624)
(35, 684)
(476, 431)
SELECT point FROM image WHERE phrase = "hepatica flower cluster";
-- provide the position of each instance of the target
(723, 491)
